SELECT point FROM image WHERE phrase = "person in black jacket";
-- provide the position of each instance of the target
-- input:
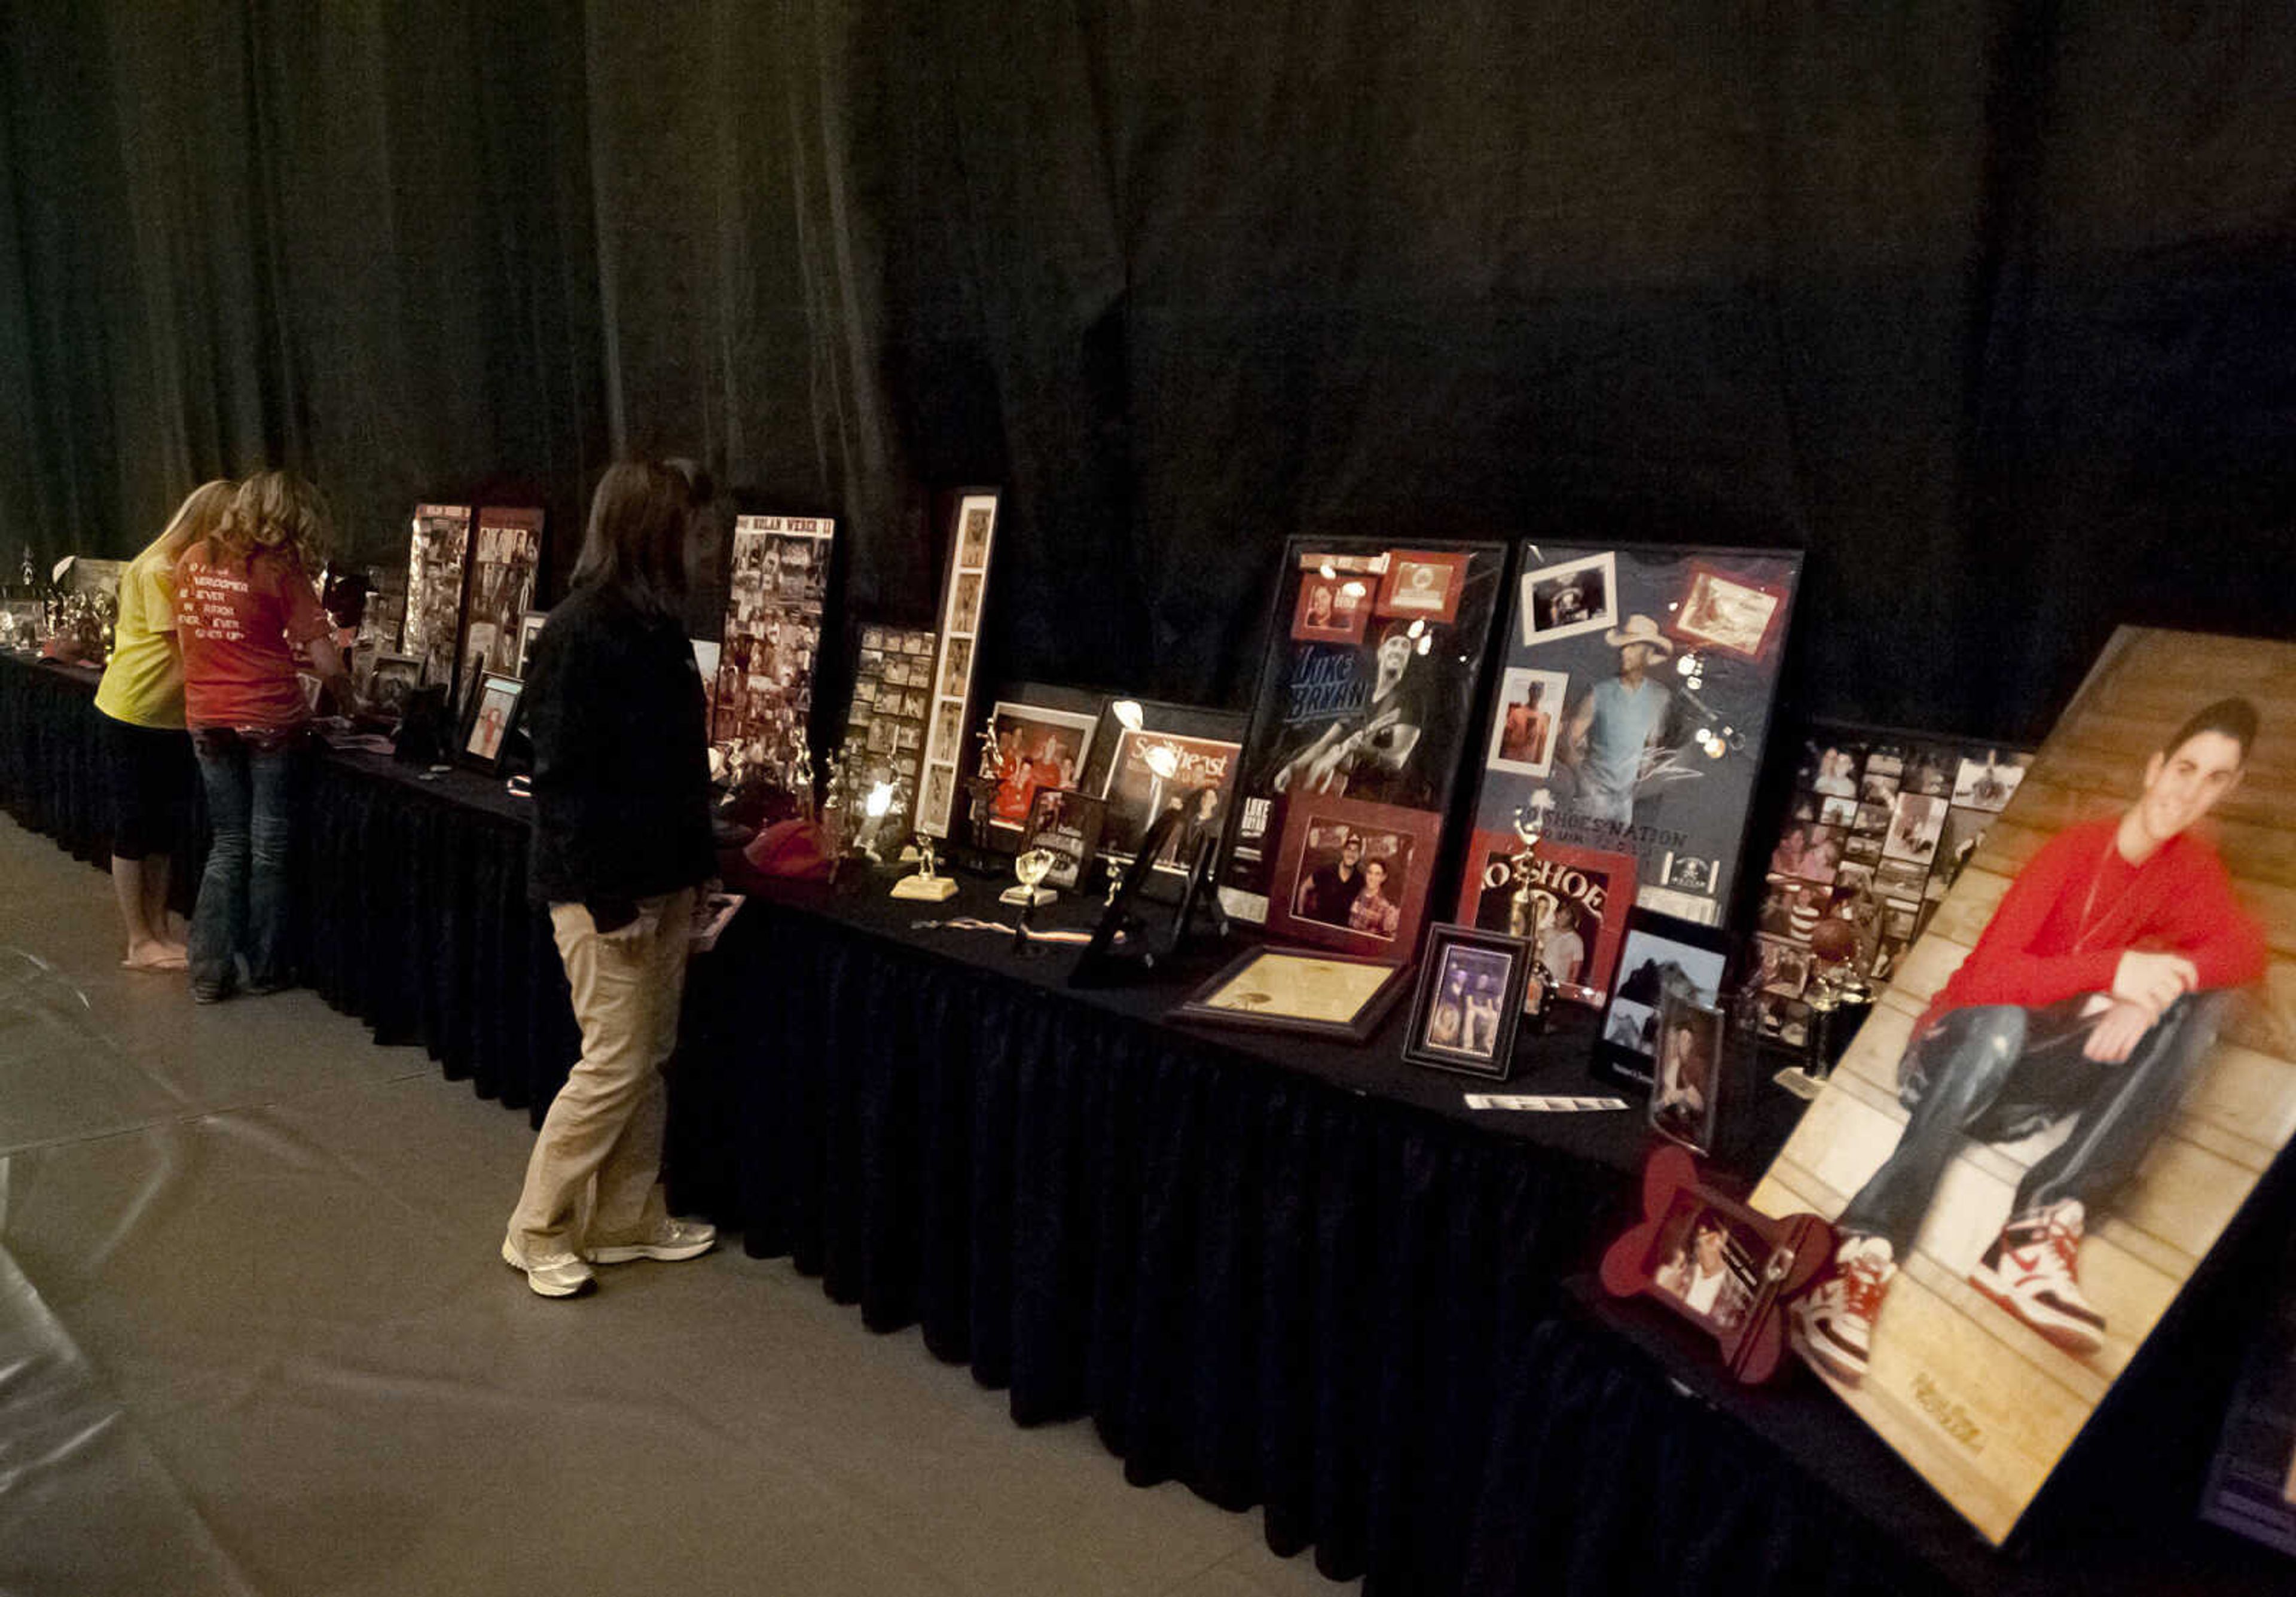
(621, 841)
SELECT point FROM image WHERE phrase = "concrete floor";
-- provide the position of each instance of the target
(255, 1338)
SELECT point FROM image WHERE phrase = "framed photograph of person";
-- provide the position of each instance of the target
(1564, 600)
(1294, 989)
(1423, 585)
(1066, 825)
(1387, 718)
(1741, 616)
(1726, 1268)
(2080, 1077)
(1661, 955)
(488, 721)
(438, 556)
(1524, 722)
(529, 628)
(1469, 1002)
(1686, 1099)
(392, 682)
(1039, 737)
(1334, 608)
(1176, 757)
(1356, 876)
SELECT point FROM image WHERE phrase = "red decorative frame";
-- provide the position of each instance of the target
(1486, 848)
(1792, 1252)
(1404, 566)
(1421, 827)
(1701, 573)
(1347, 628)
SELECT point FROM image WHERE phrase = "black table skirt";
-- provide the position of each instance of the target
(1285, 1273)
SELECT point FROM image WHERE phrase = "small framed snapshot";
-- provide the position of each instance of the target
(1066, 825)
(1687, 1098)
(529, 630)
(1659, 955)
(487, 725)
(392, 682)
(1469, 1002)
(1732, 613)
(1298, 989)
(1333, 606)
(1988, 783)
(1038, 738)
(1523, 726)
(1354, 876)
(1564, 600)
(1422, 586)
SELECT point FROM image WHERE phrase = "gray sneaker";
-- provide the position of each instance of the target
(675, 1240)
(549, 1274)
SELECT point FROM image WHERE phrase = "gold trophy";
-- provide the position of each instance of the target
(928, 884)
(1530, 906)
(1031, 865)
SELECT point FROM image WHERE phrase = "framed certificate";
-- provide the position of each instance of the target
(1296, 990)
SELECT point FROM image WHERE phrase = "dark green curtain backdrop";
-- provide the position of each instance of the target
(1990, 307)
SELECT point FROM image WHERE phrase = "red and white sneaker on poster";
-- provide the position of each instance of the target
(2028, 1271)
(1833, 1326)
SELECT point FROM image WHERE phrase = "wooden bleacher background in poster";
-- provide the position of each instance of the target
(1975, 1401)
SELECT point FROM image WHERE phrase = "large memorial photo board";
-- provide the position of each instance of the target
(2043, 1202)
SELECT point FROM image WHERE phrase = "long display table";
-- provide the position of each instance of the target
(1289, 1274)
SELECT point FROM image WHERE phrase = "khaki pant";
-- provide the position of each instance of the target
(600, 1146)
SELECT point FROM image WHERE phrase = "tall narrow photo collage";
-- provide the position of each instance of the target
(1879, 826)
(761, 701)
(965, 597)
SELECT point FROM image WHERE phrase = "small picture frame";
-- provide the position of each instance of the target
(392, 682)
(1527, 723)
(1066, 824)
(1720, 610)
(1422, 586)
(1042, 738)
(1334, 608)
(1564, 600)
(1299, 990)
(1685, 1099)
(1659, 955)
(488, 721)
(1355, 876)
(1468, 1002)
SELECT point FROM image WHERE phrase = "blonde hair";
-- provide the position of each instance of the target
(196, 518)
(274, 512)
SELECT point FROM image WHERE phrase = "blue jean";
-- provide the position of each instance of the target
(1997, 1073)
(243, 893)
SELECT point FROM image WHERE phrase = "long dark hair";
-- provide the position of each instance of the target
(636, 542)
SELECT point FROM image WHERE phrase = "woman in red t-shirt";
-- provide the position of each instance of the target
(243, 599)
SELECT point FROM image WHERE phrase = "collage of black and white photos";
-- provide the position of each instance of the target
(1879, 826)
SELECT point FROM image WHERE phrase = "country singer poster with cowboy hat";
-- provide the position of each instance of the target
(1634, 697)
(1366, 689)
(2075, 1079)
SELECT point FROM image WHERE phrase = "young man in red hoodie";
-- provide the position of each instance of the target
(2095, 989)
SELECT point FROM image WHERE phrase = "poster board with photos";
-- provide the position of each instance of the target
(1365, 697)
(1978, 1402)
(1634, 695)
(887, 724)
(1201, 746)
(437, 560)
(776, 585)
(505, 555)
(1879, 824)
(964, 598)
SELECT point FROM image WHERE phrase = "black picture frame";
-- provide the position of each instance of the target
(1090, 814)
(1358, 1027)
(1649, 937)
(1445, 941)
(1689, 1111)
(492, 688)
(1197, 723)
(1077, 709)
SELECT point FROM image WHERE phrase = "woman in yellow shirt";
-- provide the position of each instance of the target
(148, 753)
